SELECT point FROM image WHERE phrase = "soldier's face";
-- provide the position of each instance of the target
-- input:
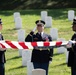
(40, 28)
(74, 27)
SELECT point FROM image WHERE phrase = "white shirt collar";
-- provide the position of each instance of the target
(41, 33)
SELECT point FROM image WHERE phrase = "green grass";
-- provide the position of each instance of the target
(14, 62)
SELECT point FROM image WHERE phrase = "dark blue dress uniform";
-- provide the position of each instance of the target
(72, 54)
(40, 56)
(2, 57)
(2, 53)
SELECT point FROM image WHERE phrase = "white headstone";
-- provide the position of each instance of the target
(26, 56)
(54, 33)
(43, 15)
(66, 54)
(16, 14)
(18, 23)
(21, 37)
(38, 72)
(61, 49)
(48, 21)
(29, 67)
(71, 15)
(20, 52)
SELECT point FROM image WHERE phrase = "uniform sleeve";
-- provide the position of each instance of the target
(69, 49)
(2, 39)
(51, 49)
(29, 37)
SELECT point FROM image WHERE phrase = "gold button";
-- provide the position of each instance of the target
(40, 49)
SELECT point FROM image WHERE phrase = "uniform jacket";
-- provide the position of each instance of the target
(72, 54)
(2, 53)
(37, 55)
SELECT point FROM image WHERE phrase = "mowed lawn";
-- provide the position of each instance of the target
(60, 21)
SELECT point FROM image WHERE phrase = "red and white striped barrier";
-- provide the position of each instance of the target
(31, 45)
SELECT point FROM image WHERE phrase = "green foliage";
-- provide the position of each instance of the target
(60, 21)
(36, 4)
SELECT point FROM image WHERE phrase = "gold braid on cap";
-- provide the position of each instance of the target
(40, 22)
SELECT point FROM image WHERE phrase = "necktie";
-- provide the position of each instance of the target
(40, 36)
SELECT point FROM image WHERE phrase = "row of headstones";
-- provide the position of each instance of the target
(44, 17)
(26, 54)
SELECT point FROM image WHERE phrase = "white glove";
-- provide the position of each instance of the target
(2, 49)
(50, 62)
(34, 29)
(69, 44)
(0, 46)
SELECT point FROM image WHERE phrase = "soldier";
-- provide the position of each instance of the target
(2, 54)
(40, 56)
(72, 50)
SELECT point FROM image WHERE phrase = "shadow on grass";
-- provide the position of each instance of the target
(57, 54)
(55, 13)
(22, 12)
(13, 29)
(62, 64)
(17, 68)
(16, 57)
